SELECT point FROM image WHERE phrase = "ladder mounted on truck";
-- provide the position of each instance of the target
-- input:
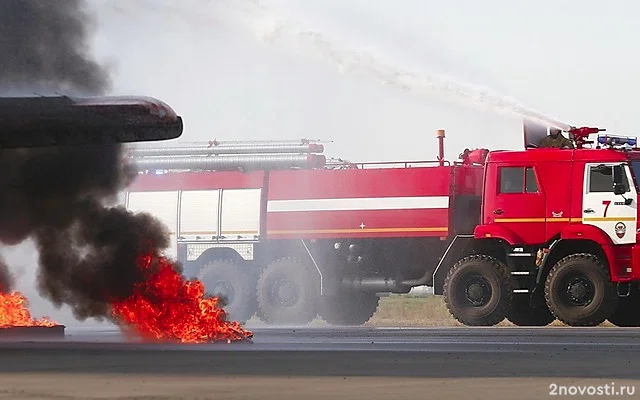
(229, 156)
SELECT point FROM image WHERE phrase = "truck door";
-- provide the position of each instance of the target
(615, 214)
(517, 201)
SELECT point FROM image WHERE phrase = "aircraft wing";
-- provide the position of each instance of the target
(62, 120)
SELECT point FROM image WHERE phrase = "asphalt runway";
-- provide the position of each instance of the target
(609, 353)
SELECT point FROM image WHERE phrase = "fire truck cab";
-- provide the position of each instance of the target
(557, 238)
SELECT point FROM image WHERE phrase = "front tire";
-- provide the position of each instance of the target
(477, 291)
(579, 292)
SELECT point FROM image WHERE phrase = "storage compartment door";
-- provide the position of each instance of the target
(240, 214)
(199, 215)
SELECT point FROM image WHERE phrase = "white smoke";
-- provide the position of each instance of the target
(272, 27)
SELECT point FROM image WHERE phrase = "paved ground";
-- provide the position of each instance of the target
(367, 362)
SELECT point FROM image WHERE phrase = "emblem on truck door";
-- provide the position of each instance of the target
(621, 229)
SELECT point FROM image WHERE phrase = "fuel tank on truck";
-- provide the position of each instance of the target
(374, 201)
(62, 120)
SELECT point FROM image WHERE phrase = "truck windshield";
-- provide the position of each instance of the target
(635, 168)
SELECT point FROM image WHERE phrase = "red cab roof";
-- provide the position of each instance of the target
(547, 154)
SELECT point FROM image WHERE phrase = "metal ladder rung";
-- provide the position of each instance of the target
(520, 273)
(520, 254)
(520, 290)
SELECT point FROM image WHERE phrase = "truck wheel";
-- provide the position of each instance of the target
(349, 308)
(522, 314)
(288, 290)
(627, 312)
(477, 290)
(224, 278)
(579, 292)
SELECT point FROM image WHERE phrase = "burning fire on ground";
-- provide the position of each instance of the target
(14, 312)
(165, 306)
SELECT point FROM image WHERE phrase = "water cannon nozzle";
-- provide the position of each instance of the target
(580, 135)
(585, 131)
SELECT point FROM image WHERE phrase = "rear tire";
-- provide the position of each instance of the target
(522, 314)
(627, 313)
(349, 308)
(226, 280)
(288, 291)
(477, 291)
(579, 292)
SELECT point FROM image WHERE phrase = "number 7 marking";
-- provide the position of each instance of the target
(606, 203)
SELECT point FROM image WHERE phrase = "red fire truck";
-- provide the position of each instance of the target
(279, 231)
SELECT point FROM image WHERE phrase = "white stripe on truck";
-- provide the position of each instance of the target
(363, 203)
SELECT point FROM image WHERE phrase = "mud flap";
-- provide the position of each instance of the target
(456, 250)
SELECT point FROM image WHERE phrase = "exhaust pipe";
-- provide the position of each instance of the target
(376, 284)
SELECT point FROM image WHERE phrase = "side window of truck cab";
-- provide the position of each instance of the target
(518, 203)
(517, 180)
(601, 178)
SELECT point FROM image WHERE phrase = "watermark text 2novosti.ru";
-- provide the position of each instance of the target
(607, 389)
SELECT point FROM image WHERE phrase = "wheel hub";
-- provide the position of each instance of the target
(478, 291)
(286, 293)
(580, 291)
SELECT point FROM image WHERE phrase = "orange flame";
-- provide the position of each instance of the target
(14, 312)
(165, 306)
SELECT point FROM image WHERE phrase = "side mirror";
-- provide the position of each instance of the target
(618, 174)
(619, 186)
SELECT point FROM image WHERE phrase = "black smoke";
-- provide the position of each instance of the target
(64, 198)
(45, 47)
(6, 279)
